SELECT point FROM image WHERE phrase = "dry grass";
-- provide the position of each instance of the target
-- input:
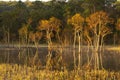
(18, 72)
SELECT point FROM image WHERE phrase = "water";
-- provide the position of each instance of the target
(24, 55)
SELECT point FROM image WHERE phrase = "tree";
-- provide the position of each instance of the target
(24, 32)
(117, 29)
(53, 24)
(118, 24)
(98, 23)
(117, 8)
(72, 7)
(7, 24)
(12, 17)
(35, 37)
(77, 22)
(39, 11)
(56, 9)
(91, 6)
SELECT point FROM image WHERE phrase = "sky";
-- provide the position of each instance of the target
(25, 0)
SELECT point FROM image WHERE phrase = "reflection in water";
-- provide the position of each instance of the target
(25, 55)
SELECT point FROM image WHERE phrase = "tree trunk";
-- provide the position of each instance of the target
(96, 51)
(79, 52)
(8, 42)
(49, 41)
(74, 48)
(101, 50)
(114, 39)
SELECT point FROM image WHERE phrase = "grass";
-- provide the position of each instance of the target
(23, 72)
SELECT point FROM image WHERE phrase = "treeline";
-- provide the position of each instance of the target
(34, 22)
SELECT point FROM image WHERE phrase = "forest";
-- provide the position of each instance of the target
(14, 16)
(60, 40)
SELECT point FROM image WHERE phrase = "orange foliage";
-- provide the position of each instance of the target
(77, 21)
(52, 24)
(98, 21)
(118, 24)
(23, 31)
(35, 37)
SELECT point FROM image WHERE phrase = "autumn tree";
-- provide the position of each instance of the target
(77, 22)
(98, 23)
(49, 26)
(118, 28)
(118, 24)
(24, 31)
(35, 37)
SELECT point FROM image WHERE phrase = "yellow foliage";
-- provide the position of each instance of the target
(29, 21)
(50, 25)
(77, 21)
(118, 24)
(35, 36)
(23, 31)
(54, 23)
(43, 25)
(98, 22)
(32, 36)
